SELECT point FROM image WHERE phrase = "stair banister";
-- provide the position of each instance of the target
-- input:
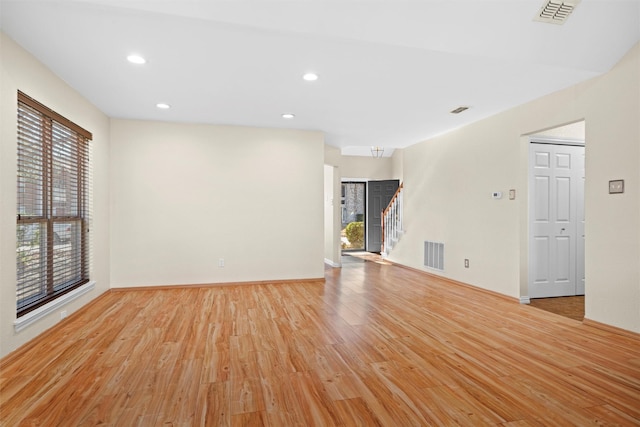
(391, 222)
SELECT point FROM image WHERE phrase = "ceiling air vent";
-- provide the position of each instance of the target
(459, 110)
(556, 11)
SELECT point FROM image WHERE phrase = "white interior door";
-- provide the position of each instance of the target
(556, 183)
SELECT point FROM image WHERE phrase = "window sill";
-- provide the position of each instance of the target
(37, 314)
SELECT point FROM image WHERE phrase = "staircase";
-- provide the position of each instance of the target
(392, 223)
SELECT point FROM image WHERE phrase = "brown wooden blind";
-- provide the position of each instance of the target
(52, 246)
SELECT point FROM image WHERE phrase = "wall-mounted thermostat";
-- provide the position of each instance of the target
(496, 195)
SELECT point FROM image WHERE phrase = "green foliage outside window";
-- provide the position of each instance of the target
(355, 234)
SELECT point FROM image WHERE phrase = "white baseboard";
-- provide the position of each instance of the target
(525, 300)
(332, 264)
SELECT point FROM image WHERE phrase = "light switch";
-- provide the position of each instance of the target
(512, 194)
(616, 187)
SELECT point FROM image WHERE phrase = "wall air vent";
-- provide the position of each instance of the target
(556, 11)
(459, 110)
(434, 255)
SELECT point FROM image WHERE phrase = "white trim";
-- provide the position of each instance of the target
(525, 300)
(331, 263)
(40, 312)
(556, 141)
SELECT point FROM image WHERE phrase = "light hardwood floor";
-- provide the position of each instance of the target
(376, 345)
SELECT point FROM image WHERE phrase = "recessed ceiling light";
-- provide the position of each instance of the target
(288, 116)
(163, 106)
(310, 77)
(136, 59)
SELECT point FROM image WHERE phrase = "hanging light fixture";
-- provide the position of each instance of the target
(377, 152)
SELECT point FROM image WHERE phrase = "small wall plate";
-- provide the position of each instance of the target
(616, 186)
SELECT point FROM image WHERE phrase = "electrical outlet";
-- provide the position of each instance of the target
(63, 314)
(221, 262)
(466, 263)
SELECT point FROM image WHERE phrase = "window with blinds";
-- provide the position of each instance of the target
(52, 245)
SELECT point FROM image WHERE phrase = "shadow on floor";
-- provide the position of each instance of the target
(366, 256)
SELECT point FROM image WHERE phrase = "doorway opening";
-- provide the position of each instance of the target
(379, 194)
(362, 205)
(556, 224)
(353, 205)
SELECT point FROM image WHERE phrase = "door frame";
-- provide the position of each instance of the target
(525, 207)
(369, 198)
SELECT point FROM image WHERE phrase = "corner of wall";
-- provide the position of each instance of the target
(397, 164)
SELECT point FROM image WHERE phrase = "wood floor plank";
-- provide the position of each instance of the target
(246, 396)
(387, 406)
(315, 407)
(447, 405)
(249, 419)
(355, 413)
(614, 415)
(217, 367)
(177, 408)
(374, 345)
(213, 406)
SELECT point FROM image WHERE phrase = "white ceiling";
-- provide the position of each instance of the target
(390, 70)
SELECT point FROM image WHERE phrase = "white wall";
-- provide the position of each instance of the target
(332, 251)
(361, 167)
(573, 131)
(612, 106)
(20, 71)
(397, 170)
(184, 196)
(449, 179)
(448, 183)
(332, 211)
